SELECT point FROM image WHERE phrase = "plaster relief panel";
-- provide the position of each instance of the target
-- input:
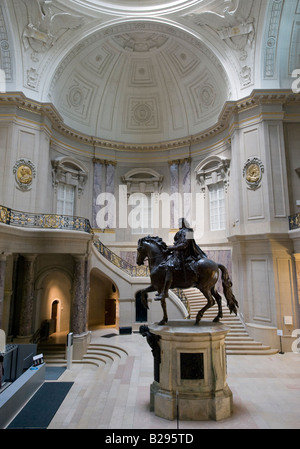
(142, 73)
(100, 60)
(295, 47)
(203, 95)
(78, 97)
(183, 60)
(140, 41)
(260, 293)
(142, 115)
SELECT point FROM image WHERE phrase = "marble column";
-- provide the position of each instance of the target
(27, 301)
(174, 192)
(2, 283)
(79, 303)
(97, 189)
(186, 190)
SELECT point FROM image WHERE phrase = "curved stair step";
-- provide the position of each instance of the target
(110, 349)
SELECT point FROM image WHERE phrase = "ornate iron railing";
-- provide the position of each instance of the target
(43, 221)
(117, 261)
(294, 222)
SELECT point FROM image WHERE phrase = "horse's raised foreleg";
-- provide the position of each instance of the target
(210, 303)
(164, 307)
(218, 298)
(144, 295)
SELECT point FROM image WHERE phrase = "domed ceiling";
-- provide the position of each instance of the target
(136, 72)
(140, 82)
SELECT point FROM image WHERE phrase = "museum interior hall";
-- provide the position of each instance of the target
(117, 120)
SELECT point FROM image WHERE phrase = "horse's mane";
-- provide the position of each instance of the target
(158, 240)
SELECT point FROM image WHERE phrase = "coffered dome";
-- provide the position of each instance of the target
(140, 82)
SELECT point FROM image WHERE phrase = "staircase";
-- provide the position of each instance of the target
(99, 355)
(238, 341)
(54, 353)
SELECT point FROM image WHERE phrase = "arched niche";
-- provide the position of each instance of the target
(212, 170)
(143, 180)
(70, 171)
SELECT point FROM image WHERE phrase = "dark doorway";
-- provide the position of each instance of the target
(110, 312)
(141, 314)
(54, 310)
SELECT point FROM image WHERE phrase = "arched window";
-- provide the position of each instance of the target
(213, 177)
(69, 177)
(142, 185)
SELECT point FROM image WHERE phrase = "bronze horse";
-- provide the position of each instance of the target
(204, 276)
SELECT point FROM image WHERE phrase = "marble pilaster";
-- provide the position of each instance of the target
(174, 191)
(186, 189)
(97, 188)
(110, 189)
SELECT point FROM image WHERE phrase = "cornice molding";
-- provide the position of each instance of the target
(231, 108)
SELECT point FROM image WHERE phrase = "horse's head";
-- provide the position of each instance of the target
(149, 247)
(141, 252)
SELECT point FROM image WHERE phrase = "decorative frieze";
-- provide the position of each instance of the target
(257, 97)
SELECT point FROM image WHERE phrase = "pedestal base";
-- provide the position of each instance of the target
(191, 407)
(192, 383)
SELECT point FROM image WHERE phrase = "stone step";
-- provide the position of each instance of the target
(237, 341)
(247, 351)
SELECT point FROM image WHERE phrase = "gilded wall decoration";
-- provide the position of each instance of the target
(252, 172)
(24, 171)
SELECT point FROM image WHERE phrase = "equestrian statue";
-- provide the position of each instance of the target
(183, 265)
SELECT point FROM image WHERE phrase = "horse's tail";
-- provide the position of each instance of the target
(227, 287)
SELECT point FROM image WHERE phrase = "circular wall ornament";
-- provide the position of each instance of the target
(24, 171)
(253, 171)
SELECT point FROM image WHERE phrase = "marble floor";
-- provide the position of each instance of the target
(266, 392)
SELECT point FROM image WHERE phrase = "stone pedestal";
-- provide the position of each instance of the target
(192, 378)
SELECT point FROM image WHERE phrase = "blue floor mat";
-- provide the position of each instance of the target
(54, 372)
(40, 410)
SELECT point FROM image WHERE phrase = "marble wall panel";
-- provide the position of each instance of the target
(186, 190)
(278, 169)
(97, 189)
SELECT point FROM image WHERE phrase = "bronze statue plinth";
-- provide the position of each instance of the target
(192, 382)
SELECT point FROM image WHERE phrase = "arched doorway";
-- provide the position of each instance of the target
(103, 301)
(55, 316)
(54, 301)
